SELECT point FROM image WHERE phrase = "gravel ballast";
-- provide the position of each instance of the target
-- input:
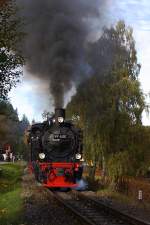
(40, 208)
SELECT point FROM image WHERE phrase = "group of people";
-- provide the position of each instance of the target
(6, 153)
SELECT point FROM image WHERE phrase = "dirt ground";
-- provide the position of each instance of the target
(137, 208)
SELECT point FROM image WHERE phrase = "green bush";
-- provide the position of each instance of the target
(119, 165)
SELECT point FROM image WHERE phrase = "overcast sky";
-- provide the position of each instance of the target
(136, 13)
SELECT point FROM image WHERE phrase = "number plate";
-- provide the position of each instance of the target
(60, 136)
(60, 172)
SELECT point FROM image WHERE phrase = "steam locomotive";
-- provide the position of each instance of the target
(56, 151)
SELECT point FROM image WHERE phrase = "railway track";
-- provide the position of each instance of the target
(91, 211)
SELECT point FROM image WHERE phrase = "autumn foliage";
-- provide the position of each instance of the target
(110, 105)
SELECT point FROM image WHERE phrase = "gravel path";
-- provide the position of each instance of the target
(40, 208)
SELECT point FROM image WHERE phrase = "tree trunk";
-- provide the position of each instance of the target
(92, 170)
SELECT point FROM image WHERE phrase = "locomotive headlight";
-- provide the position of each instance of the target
(60, 119)
(42, 155)
(78, 156)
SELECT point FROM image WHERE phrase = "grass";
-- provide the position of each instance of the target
(10, 194)
(119, 197)
(123, 199)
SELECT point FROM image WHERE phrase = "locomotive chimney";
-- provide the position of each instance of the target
(59, 112)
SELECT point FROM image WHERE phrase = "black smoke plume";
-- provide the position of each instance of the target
(56, 33)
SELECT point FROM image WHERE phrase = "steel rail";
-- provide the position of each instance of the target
(91, 211)
(84, 211)
(114, 212)
(83, 219)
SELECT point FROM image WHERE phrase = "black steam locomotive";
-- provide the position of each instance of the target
(56, 151)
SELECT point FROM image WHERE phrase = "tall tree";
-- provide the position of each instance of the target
(24, 123)
(11, 129)
(9, 123)
(10, 58)
(111, 102)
